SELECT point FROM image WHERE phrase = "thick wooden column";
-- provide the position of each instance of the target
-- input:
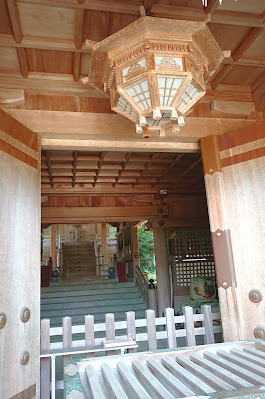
(135, 249)
(223, 255)
(162, 269)
(53, 245)
(104, 247)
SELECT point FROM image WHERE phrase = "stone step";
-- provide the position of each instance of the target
(104, 297)
(107, 284)
(91, 303)
(88, 292)
(108, 308)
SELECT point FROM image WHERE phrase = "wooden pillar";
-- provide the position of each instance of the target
(135, 249)
(53, 245)
(162, 269)
(104, 242)
(221, 239)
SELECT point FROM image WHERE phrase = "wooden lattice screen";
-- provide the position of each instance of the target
(191, 256)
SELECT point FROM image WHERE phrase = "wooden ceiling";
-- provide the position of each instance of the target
(45, 39)
(146, 172)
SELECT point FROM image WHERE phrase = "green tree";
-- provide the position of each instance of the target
(146, 246)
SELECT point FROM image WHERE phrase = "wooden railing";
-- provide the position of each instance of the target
(171, 327)
(141, 282)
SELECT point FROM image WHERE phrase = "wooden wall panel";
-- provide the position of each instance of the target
(9, 60)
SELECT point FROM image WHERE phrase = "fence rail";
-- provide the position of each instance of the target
(152, 334)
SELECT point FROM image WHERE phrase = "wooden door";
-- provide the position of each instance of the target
(19, 260)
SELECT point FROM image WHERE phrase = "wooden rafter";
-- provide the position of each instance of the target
(146, 167)
(170, 166)
(77, 65)
(79, 23)
(258, 92)
(75, 156)
(17, 32)
(100, 163)
(49, 164)
(212, 6)
(124, 164)
(188, 170)
(15, 21)
(239, 51)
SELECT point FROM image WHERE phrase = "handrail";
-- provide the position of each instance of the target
(141, 282)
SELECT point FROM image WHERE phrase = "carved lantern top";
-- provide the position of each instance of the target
(155, 70)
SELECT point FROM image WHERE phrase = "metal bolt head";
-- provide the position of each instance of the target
(2, 320)
(259, 332)
(25, 315)
(255, 295)
(24, 358)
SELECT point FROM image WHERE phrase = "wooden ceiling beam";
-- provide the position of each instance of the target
(146, 168)
(77, 66)
(258, 91)
(15, 21)
(170, 166)
(121, 171)
(46, 43)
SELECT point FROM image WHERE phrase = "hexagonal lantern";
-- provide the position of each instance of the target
(155, 70)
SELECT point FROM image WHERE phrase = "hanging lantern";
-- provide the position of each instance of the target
(155, 70)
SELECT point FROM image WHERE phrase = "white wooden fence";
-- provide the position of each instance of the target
(152, 334)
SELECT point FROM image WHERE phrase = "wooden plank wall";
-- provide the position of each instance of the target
(234, 167)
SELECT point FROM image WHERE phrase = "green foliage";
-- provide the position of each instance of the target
(146, 246)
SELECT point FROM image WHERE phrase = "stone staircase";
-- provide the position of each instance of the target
(79, 298)
(81, 259)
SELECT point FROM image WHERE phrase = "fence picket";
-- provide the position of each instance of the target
(45, 368)
(67, 334)
(189, 325)
(171, 332)
(89, 333)
(131, 329)
(110, 330)
(208, 324)
(151, 329)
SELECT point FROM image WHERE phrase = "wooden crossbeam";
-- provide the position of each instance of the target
(48, 161)
(246, 42)
(147, 166)
(75, 155)
(170, 166)
(125, 163)
(100, 163)
(188, 170)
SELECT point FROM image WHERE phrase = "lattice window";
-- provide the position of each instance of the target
(167, 89)
(191, 257)
(140, 94)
